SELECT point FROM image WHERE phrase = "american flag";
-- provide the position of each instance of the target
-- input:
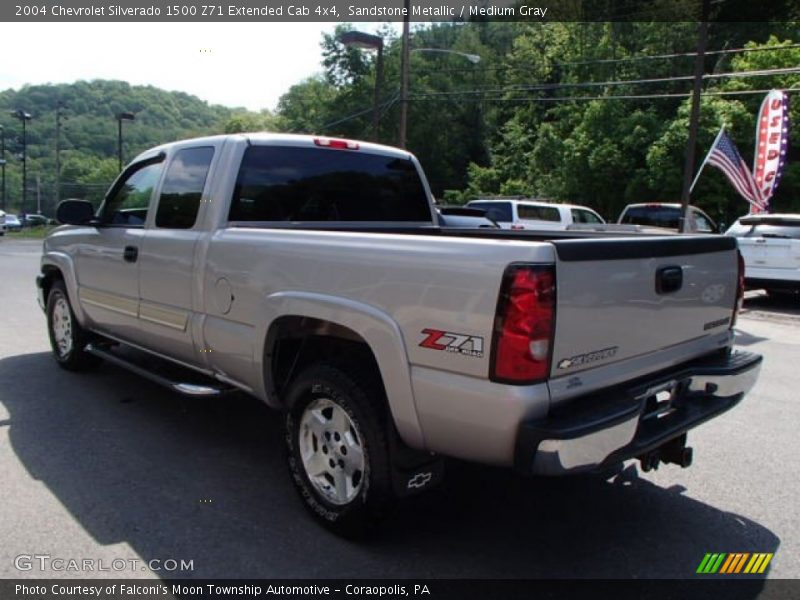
(726, 157)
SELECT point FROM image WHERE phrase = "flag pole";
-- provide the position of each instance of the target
(705, 160)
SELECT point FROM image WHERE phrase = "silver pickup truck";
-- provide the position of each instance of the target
(311, 273)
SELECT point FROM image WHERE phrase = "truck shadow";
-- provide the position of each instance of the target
(205, 481)
(780, 304)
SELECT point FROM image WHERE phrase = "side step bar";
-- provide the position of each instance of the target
(187, 389)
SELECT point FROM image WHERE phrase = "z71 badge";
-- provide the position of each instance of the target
(582, 359)
(435, 339)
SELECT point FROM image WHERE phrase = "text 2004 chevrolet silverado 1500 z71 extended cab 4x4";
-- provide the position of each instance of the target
(309, 273)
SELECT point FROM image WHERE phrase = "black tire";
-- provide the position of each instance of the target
(362, 399)
(72, 357)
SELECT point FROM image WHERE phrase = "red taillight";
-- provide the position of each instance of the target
(336, 144)
(739, 288)
(524, 325)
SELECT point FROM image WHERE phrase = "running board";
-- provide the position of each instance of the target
(185, 388)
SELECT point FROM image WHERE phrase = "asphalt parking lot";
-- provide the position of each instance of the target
(107, 466)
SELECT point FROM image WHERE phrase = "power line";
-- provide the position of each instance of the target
(612, 97)
(554, 86)
(384, 106)
(676, 55)
(608, 60)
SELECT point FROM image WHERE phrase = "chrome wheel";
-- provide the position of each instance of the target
(332, 451)
(62, 327)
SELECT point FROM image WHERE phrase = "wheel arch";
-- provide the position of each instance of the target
(57, 265)
(327, 326)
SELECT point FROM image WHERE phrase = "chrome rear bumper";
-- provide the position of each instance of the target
(634, 419)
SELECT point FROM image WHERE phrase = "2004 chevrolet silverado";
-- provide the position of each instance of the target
(310, 273)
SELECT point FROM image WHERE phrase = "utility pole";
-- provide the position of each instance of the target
(359, 39)
(38, 195)
(694, 118)
(24, 117)
(3, 162)
(123, 116)
(404, 68)
(59, 116)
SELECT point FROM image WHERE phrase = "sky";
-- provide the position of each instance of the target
(233, 64)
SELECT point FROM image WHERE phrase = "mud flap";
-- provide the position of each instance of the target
(413, 471)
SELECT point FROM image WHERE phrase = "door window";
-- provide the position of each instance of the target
(702, 223)
(585, 216)
(129, 199)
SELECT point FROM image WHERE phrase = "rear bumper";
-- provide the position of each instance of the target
(631, 420)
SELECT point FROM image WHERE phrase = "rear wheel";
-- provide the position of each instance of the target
(337, 447)
(67, 338)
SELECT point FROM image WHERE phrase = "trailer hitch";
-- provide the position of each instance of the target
(674, 451)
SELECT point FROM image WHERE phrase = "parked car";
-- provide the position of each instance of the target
(666, 215)
(13, 223)
(770, 246)
(36, 220)
(535, 214)
(310, 273)
(464, 216)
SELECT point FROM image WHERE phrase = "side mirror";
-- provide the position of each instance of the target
(74, 212)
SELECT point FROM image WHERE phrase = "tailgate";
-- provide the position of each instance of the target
(770, 252)
(622, 298)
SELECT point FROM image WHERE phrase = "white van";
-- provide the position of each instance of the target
(535, 214)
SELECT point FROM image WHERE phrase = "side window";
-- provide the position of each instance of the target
(584, 216)
(496, 211)
(703, 224)
(538, 213)
(129, 200)
(183, 186)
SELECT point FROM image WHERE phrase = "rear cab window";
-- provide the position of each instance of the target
(653, 216)
(499, 212)
(301, 184)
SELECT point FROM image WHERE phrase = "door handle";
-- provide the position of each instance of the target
(668, 280)
(131, 254)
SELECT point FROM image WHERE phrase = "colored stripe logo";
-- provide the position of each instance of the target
(734, 563)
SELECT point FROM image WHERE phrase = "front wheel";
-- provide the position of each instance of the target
(67, 338)
(338, 450)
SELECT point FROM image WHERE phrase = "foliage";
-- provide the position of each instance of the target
(88, 139)
(538, 115)
(557, 110)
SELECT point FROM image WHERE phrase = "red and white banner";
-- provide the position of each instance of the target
(772, 141)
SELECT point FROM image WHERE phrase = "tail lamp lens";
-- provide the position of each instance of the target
(739, 288)
(524, 325)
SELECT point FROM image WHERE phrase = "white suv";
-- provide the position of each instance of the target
(535, 214)
(770, 246)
